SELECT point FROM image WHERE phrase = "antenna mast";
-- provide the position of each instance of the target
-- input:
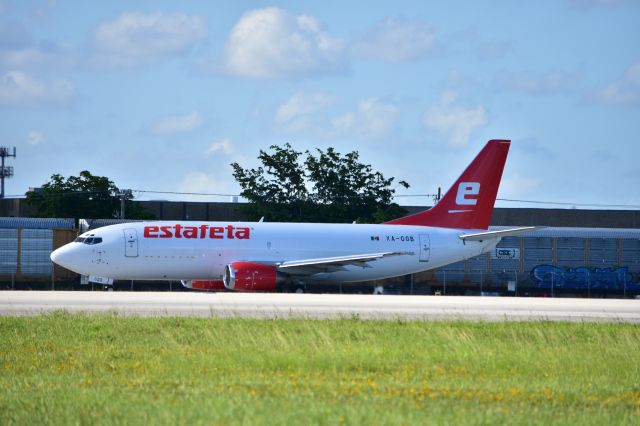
(5, 171)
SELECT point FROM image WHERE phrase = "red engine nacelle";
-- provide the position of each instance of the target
(251, 276)
(205, 285)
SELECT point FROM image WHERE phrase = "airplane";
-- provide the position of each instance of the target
(267, 257)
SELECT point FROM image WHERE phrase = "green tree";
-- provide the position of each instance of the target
(83, 196)
(327, 187)
(277, 190)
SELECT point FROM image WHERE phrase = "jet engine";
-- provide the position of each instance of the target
(205, 285)
(251, 276)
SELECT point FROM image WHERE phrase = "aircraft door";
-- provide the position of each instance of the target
(130, 242)
(425, 247)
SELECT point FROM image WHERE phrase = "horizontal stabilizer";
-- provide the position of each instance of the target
(479, 236)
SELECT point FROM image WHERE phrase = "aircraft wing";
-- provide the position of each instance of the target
(479, 236)
(332, 264)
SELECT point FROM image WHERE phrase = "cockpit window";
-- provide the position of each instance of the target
(88, 240)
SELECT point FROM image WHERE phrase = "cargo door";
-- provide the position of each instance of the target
(425, 247)
(130, 242)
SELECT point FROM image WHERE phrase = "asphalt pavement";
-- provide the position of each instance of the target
(317, 306)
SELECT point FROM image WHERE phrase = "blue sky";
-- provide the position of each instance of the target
(162, 96)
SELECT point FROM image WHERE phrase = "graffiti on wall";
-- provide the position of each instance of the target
(582, 278)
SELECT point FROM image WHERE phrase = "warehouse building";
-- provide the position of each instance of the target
(25, 246)
(576, 261)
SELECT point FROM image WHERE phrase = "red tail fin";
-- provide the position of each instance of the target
(469, 202)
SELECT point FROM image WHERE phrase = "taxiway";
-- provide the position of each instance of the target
(318, 306)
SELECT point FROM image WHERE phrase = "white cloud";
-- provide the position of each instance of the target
(136, 38)
(373, 119)
(395, 40)
(217, 178)
(302, 104)
(38, 57)
(306, 112)
(517, 186)
(35, 138)
(203, 183)
(19, 88)
(344, 123)
(552, 82)
(624, 91)
(223, 145)
(19, 50)
(303, 111)
(198, 182)
(454, 121)
(177, 124)
(271, 43)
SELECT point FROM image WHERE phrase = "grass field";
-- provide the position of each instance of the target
(76, 369)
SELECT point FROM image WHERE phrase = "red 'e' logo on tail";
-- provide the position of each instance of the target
(465, 189)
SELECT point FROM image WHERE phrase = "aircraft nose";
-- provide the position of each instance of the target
(63, 256)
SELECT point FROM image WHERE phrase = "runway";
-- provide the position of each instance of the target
(320, 306)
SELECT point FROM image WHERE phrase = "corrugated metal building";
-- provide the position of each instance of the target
(575, 260)
(25, 246)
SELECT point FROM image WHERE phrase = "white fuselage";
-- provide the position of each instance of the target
(147, 251)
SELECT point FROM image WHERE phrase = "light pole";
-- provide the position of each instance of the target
(123, 194)
(5, 172)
